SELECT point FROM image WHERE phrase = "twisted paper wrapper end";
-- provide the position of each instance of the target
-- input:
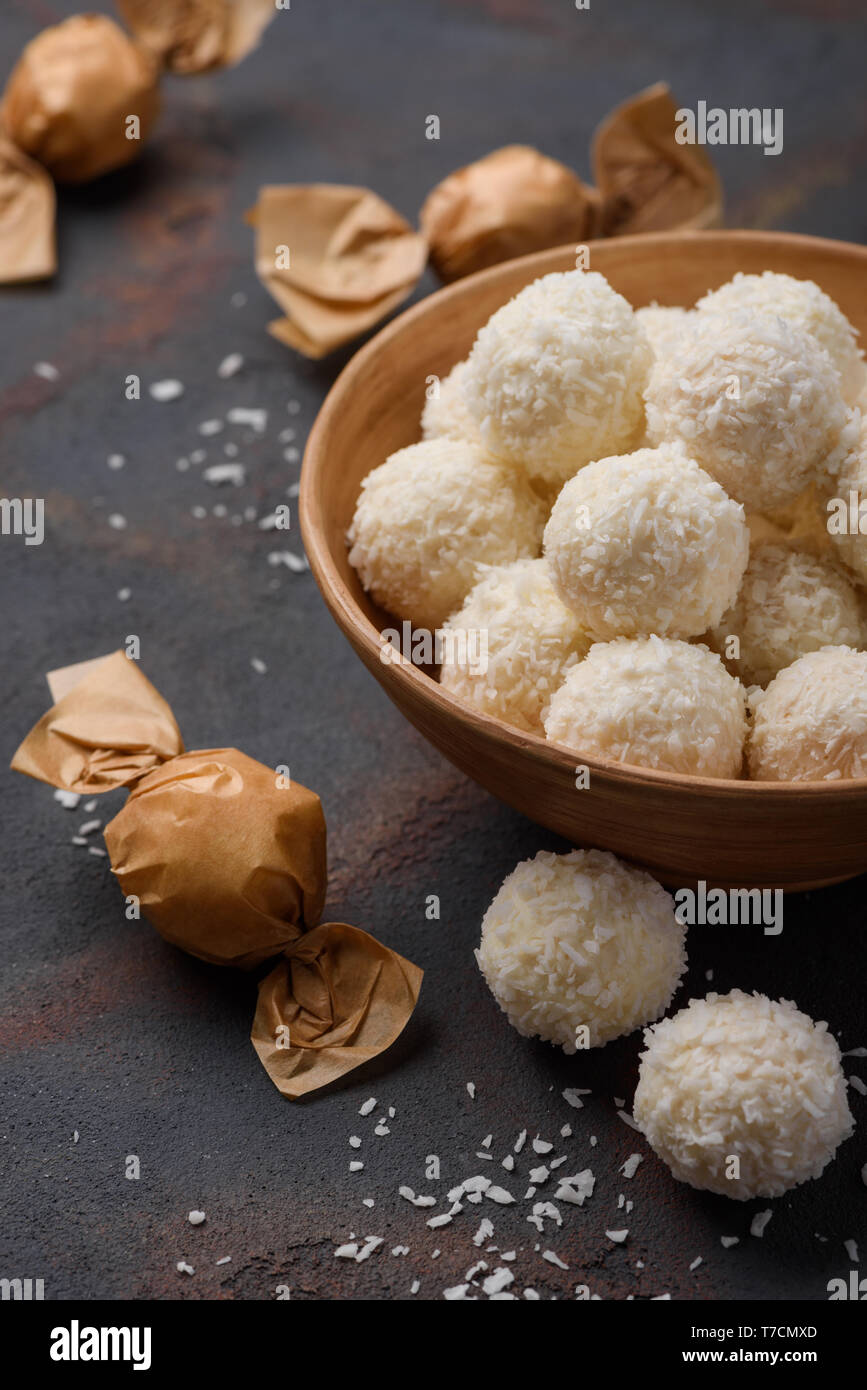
(108, 730)
(336, 999)
(227, 860)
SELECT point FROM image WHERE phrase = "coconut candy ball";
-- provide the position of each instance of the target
(742, 1076)
(445, 414)
(804, 305)
(754, 400)
(652, 702)
(429, 516)
(646, 543)
(844, 523)
(663, 326)
(810, 725)
(581, 940)
(555, 377)
(790, 603)
(532, 641)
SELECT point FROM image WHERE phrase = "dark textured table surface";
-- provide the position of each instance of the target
(114, 1044)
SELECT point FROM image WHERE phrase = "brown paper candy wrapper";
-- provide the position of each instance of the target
(511, 203)
(646, 180)
(336, 259)
(190, 36)
(354, 259)
(320, 1010)
(227, 859)
(247, 864)
(27, 210)
(70, 96)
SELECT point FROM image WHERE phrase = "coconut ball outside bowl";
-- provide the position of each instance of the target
(742, 1095)
(728, 830)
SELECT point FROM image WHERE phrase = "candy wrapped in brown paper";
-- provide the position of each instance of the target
(227, 859)
(354, 259)
(647, 181)
(189, 36)
(81, 99)
(511, 203)
(27, 209)
(336, 259)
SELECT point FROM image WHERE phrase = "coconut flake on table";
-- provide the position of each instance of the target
(230, 366)
(572, 1095)
(115, 461)
(46, 370)
(68, 800)
(168, 390)
(256, 418)
(219, 473)
(296, 563)
(553, 1259)
(577, 1188)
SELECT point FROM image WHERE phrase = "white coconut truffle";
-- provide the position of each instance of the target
(646, 543)
(803, 304)
(846, 500)
(445, 414)
(789, 604)
(581, 940)
(754, 400)
(663, 326)
(555, 378)
(810, 725)
(530, 641)
(429, 516)
(655, 703)
(740, 1076)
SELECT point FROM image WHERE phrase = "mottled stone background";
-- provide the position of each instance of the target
(104, 1029)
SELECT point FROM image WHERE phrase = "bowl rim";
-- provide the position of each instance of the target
(361, 631)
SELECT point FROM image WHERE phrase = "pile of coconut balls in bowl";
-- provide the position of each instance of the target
(646, 513)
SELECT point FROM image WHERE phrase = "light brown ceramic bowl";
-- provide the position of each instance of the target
(770, 834)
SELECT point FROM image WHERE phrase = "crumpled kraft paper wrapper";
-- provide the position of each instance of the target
(71, 93)
(228, 861)
(27, 210)
(352, 259)
(647, 181)
(246, 869)
(337, 999)
(111, 728)
(189, 36)
(511, 203)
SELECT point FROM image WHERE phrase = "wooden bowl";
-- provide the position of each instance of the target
(730, 833)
